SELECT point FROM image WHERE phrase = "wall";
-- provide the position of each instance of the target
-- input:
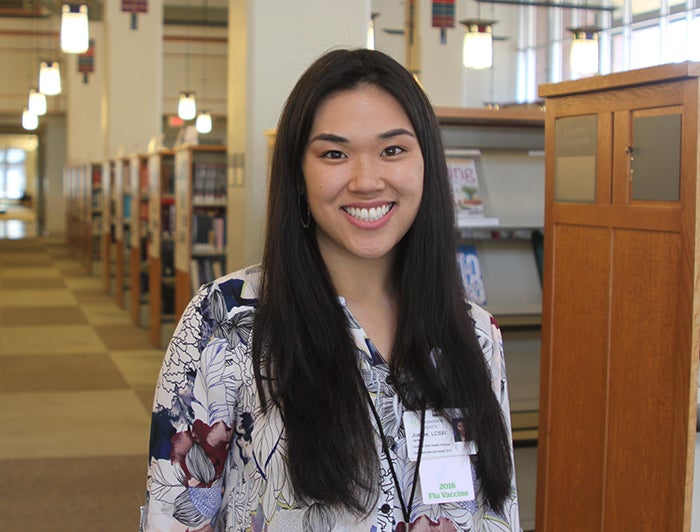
(51, 211)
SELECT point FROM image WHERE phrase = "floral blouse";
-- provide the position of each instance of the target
(217, 463)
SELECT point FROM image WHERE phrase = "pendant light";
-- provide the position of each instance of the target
(49, 78)
(584, 50)
(477, 50)
(203, 123)
(37, 102)
(74, 29)
(187, 106)
(29, 120)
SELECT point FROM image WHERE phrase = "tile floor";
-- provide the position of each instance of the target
(76, 386)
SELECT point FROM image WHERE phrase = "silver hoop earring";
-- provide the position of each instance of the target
(304, 212)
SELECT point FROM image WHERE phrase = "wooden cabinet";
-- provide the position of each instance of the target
(161, 243)
(621, 301)
(200, 229)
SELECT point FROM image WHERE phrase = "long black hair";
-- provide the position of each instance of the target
(304, 356)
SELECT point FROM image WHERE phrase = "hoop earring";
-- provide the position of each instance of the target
(304, 213)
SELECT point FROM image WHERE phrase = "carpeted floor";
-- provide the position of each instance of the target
(76, 387)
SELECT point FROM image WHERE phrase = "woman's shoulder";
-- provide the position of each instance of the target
(483, 319)
(238, 288)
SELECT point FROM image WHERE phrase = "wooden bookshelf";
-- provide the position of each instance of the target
(108, 226)
(122, 194)
(161, 243)
(139, 293)
(95, 202)
(200, 229)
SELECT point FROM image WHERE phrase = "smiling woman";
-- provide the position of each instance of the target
(309, 392)
(363, 176)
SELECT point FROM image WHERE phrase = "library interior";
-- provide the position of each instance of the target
(571, 138)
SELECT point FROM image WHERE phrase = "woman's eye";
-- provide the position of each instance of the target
(392, 151)
(333, 154)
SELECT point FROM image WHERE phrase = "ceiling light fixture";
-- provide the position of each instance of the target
(477, 50)
(74, 29)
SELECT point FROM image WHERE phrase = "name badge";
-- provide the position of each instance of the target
(445, 469)
(441, 437)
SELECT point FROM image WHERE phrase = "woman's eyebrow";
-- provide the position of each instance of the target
(396, 132)
(330, 137)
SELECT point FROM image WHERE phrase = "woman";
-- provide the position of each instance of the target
(311, 392)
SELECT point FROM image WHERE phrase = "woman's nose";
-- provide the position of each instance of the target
(366, 176)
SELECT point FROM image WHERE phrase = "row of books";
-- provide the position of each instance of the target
(204, 270)
(470, 267)
(208, 232)
(209, 182)
(167, 175)
(167, 218)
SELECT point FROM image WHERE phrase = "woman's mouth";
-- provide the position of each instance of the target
(369, 215)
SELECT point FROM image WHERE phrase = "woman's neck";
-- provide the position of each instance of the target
(370, 294)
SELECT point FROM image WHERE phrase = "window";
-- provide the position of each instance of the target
(17, 157)
(636, 34)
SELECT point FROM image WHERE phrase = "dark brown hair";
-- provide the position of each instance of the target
(305, 358)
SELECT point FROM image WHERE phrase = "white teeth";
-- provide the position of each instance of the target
(369, 215)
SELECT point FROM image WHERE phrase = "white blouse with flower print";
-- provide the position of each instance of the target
(218, 464)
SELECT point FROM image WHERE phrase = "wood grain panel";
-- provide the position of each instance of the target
(570, 477)
(649, 380)
(609, 101)
(662, 217)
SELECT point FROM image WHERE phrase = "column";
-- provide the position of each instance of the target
(132, 99)
(271, 42)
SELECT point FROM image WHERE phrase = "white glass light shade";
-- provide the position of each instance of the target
(37, 102)
(203, 123)
(29, 120)
(187, 107)
(74, 30)
(584, 51)
(370, 35)
(49, 78)
(477, 51)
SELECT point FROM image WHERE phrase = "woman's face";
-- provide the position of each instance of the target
(363, 171)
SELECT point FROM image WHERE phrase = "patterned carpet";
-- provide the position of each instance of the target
(76, 387)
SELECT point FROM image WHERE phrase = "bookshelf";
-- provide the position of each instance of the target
(505, 149)
(95, 202)
(200, 228)
(138, 260)
(71, 193)
(502, 224)
(122, 194)
(108, 225)
(161, 243)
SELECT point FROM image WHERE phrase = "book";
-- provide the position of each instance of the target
(465, 189)
(472, 279)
